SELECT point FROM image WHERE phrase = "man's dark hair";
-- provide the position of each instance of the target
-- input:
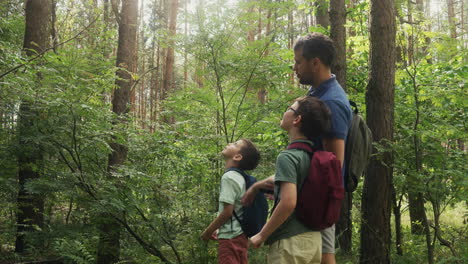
(250, 155)
(315, 116)
(316, 45)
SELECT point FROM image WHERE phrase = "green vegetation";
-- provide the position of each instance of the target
(166, 191)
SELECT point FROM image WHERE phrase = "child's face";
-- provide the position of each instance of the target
(233, 149)
(289, 116)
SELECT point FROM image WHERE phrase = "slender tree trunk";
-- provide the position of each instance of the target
(321, 15)
(291, 38)
(451, 18)
(338, 34)
(376, 196)
(397, 214)
(31, 205)
(185, 48)
(344, 226)
(109, 236)
(52, 25)
(168, 83)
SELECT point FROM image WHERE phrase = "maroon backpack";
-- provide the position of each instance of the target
(319, 199)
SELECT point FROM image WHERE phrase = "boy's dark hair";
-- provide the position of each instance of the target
(316, 45)
(316, 116)
(250, 155)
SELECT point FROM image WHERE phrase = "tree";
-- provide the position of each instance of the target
(168, 81)
(109, 239)
(338, 34)
(321, 14)
(30, 155)
(376, 196)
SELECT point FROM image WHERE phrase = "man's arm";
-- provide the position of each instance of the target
(335, 145)
(249, 196)
(222, 218)
(283, 210)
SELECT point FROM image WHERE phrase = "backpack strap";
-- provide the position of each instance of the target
(296, 145)
(302, 146)
(354, 105)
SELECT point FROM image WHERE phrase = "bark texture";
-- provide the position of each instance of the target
(31, 205)
(376, 197)
(109, 237)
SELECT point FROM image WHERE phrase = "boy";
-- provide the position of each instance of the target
(291, 241)
(233, 243)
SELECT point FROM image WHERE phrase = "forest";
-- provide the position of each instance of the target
(113, 114)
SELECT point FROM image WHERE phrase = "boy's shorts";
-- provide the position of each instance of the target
(303, 248)
(233, 251)
(328, 240)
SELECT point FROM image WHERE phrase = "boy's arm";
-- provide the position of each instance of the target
(283, 210)
(249, 196)
(222, 218)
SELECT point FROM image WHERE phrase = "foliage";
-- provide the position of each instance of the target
(166, 193)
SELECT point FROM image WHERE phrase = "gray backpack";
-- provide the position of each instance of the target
(358, 150)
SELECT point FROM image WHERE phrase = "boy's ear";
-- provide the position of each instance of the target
(237, 157)
(297, 120)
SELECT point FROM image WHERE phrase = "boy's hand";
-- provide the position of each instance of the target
(206, 235)
(214, 235)
(249, 195)
(257, 240)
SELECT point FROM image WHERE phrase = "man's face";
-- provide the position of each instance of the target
(303, 68)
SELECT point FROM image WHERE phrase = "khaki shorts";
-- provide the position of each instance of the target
(305, 248)
(328, 240)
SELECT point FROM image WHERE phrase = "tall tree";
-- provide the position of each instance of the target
(376, 196)
(168, 82)
(321, 14)
(338, 34)
(415, 197)
(452, 18)
(109, 239)
(31, 205)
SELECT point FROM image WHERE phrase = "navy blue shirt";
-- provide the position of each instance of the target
(333, 95)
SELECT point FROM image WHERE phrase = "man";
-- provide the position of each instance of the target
(313, 56)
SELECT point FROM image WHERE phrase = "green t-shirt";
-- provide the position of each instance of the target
(231, 190)
(292, 165)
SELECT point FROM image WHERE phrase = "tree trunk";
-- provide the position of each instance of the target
(109, 237)
(338, 34)
(31, 205)
(376, 196)
(344, 226)
(321, 16)
(168, 83)
(397, 214)
(452, 18)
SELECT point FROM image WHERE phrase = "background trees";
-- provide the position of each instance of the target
(229, 78)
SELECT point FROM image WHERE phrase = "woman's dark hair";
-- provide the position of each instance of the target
(250, 155)
(315, 116)
(316, 45)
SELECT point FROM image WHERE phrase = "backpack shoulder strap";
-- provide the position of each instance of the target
(241, 172)
(296, 145)
(302, 146)
(354, 105)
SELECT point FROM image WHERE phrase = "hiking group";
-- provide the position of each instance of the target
(308, 184)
